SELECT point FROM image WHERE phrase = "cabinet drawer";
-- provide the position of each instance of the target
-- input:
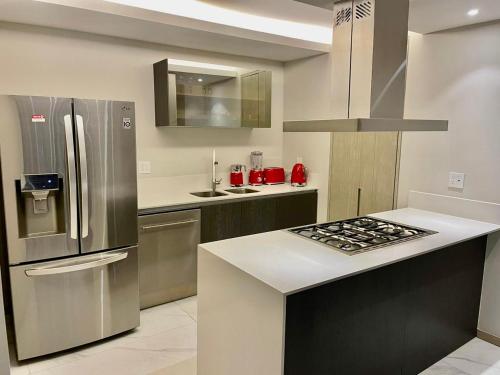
(65, 303)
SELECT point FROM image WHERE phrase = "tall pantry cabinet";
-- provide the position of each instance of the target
(363, 173)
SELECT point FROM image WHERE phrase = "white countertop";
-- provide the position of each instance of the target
(174, 191)
(290, 263)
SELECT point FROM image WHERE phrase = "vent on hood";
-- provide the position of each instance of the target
(343, 16)
(363, 10)
(369, 52)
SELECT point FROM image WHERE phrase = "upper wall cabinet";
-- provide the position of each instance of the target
(190, 94)
(256, 99)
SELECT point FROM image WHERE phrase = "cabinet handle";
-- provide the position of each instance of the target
(359, 201)
(166, 225)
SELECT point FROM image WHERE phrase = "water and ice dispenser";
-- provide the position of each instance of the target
(40, 203)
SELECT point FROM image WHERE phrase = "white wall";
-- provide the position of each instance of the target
(42, 61)
(307, 96)
(455, 75)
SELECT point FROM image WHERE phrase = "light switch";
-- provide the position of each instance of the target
(456, 180)
(144, 167)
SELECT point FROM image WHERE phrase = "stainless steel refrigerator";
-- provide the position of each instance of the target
(70, 200)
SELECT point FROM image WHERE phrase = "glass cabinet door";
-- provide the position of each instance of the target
(204, 95)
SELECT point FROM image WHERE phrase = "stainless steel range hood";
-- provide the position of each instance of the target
(369, 53)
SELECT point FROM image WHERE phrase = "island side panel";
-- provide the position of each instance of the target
(489, 322)
(444, 295)
(352, 326)
(399, 319)
(240, 321)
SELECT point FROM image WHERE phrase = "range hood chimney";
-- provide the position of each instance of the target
(369, 52)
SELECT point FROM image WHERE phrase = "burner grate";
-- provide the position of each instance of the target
(360, 234)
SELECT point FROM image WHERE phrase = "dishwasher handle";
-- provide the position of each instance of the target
(65, 266)
(151, 227)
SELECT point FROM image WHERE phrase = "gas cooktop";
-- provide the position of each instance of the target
(354, 236)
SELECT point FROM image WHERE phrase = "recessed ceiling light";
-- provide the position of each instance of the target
(473, 12)
(200, 79)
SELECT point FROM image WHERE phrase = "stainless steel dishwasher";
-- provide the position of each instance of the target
(168, 256)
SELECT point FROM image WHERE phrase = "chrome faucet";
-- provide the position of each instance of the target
(215, 180)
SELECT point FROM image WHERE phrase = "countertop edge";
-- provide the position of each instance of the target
(402, 259)
(217, 200)
(288, 292)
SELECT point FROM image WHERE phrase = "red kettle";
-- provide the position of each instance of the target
(299, 174)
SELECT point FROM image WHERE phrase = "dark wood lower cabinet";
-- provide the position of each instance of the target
(220, 221)
(296, 210)
(258, 215)
(399, 319)
(233, 219)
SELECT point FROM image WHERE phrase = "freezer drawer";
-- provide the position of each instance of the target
(63, 304)
(167, 256)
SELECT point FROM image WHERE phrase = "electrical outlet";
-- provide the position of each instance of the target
(456, 180)
(144, 167)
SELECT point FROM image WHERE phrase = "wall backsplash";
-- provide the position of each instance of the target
(49, 62)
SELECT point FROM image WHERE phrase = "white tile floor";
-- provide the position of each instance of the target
(474, 358)
(165, 344)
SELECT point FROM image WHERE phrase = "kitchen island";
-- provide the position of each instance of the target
(277, 303)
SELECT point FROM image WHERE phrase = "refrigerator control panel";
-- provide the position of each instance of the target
(32, 182)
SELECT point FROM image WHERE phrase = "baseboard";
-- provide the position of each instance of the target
(488, 338)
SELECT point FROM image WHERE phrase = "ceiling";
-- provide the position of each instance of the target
(428, 16)
(280, 17)
(280, 30)
(285, 9)
(273, 38)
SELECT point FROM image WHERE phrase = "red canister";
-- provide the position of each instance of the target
(236, 177)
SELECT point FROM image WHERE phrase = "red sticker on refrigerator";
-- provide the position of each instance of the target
(37, 118)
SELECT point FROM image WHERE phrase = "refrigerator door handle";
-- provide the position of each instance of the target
(83, 176)
(72, 266)
(70, 155)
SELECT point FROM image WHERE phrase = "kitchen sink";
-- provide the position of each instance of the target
(241, 191)
(208, 194)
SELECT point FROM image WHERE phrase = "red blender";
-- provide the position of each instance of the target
(256, 175)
